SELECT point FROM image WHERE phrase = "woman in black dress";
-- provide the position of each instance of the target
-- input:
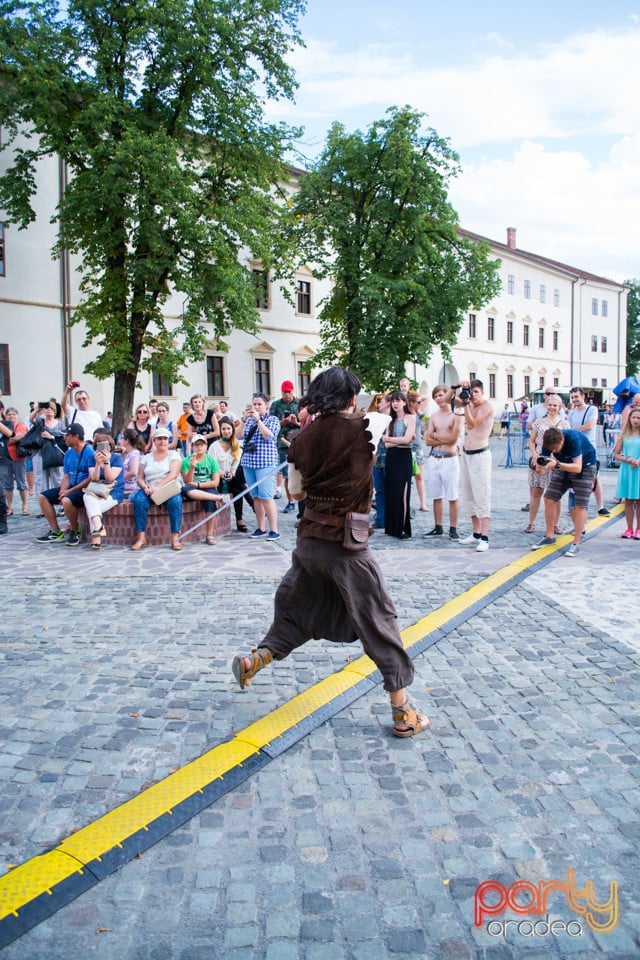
(398, 468)
(201, 421)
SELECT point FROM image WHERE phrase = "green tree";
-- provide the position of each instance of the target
(373, 213)
(633, 327)
(156, 108)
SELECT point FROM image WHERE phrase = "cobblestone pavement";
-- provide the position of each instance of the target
(352, 844)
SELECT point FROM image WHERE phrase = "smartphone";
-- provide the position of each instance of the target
(103, 446)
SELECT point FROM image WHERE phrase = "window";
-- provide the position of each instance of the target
(509, 331)
(511, 283)
(543, 293)
(527, 289)
(541, 383)
(594, 307)
(472, 325)
(603, 344)
(160, 387)
(605, 308)
(304, 297)
(527, 383)
(215, 376)
(541, 337)
(262, 367)
(5, 377)
(525, 335)
(304, 379)
(556, 381)
(261, 285)
(603, 383)
(491, 328)
(555, 340)
(492, 386)
(510, 386)
(556, 298)
(594, 344)
(2, 263)
(594, 381)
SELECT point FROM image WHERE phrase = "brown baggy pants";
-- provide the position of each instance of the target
(338, 595)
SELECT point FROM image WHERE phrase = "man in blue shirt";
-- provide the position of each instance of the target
(571, 459)
(78, 460)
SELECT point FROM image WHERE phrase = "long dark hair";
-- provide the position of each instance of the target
(331, 391)
(398, 395)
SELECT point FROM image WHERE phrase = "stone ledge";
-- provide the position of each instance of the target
(121, 529)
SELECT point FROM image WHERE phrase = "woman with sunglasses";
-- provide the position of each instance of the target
(140, 423)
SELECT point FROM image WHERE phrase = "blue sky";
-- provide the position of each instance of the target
(541, 101)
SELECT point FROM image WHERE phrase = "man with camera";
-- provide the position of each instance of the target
(467, 400)
(571, 459)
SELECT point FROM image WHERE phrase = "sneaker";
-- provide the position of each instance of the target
(453, 535)
(257, 533)
(290, 507)
(604, 512)
(75, 537)
(526, 508)
(278, 494)
(470, 539)
(273, 535)
(545, 542)
(436, 532)
(573, 551)
(51, 536)
(637, 536)
(483, 546)
(629, 534)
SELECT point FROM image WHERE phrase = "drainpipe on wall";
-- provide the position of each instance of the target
(65, 269)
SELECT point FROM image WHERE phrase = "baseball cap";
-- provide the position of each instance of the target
(160, 432)
(77, 430)
(287, 387)
(198, 439)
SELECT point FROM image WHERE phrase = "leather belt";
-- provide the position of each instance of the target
(442, 456)
(325, 518)
(479, 450)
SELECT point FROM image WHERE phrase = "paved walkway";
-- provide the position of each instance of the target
(352, 844)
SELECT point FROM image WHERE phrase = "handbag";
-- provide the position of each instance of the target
(99, 488)
(52, 455)
(166, 491)
(31, 441)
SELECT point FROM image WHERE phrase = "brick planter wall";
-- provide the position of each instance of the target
(121, 529)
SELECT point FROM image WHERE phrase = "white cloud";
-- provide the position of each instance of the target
(587, 84)
(561, 204)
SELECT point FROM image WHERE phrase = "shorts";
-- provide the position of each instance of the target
(443, 478)
(265, 479)
(475, 481)
(15, 471)
(52, 495)
(580, 483)
(282, 457)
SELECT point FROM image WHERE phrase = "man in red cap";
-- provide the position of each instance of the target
(286, 410)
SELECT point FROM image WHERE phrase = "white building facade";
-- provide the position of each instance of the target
(550, 324)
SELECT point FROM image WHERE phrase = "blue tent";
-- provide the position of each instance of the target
(624, 391)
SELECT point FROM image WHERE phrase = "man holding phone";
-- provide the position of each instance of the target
(78, 460)
(90, 420)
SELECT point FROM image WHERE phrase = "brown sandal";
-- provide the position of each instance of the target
(529, 528)
(260, 657)
(407, 721)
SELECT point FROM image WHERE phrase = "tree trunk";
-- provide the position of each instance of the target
(124, 386)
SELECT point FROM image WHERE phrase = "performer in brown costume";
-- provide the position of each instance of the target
(334, 588)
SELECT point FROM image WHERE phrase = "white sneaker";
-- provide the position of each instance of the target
(483, 546)
(469, 539)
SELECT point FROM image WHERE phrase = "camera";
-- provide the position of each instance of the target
(543, 461)
(74, 383)
(250, 447)
(44, 405)
(465, 395)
